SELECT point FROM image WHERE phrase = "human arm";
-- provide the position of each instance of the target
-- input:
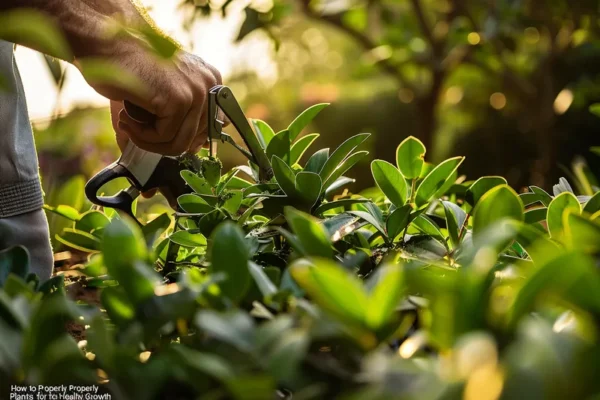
(175, 90)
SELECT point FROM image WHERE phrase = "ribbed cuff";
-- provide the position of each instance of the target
(20, 198)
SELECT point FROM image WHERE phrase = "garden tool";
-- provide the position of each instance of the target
(146, 170)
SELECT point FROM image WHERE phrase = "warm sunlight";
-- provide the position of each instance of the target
(212, 39)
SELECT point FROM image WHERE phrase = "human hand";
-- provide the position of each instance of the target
(176, 92)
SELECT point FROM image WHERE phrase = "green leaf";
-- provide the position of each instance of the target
(581, 233)
(187, 239)
(266, 287)
(385, 295)
(481, 186)
(499, 203)
(340, 154)
(229, 255)
(36, 30)
(233, 202)
(285, 176)
(308, 187)
(579, 284)
(210, 221)
(410, 156)
(398, 220)
(252, 22)
(564, 201)
(311, 234)
(344, 167)
(264, 132)
(153, 229)
(122, 244)
(370, 219)
(196, 182)
(435, 180)
(455, 219)
(300, 146)
(64, 211)
(304, 119)
(426, 225)
(280, 146)
(390, 181)
(316, 162)
(544, 197)
(79, 240)
(92, 221)
(333, 288)
(338, 204)
(102, 72)
(595, 109)
(125, 254)
(593, 205)
(535, 215)
(194, 204)
(234, 327)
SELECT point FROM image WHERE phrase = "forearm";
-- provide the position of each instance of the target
(85, 23)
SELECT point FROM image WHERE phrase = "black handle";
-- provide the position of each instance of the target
(139, 114)
(121, 201)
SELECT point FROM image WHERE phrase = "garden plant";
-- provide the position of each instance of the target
(429, 285)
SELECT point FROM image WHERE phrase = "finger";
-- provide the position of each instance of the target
(149, 193)
(199, 142)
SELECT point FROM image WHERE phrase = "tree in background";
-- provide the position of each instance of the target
(510, 67)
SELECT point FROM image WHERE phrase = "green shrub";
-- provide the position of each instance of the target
(426, 286)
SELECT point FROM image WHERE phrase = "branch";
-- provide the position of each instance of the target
(425, 28)
(365, 41)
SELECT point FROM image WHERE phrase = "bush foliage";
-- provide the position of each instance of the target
(425, 286)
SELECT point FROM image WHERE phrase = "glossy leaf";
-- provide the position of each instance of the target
(338, 204)
(79, 240)
(340, 154)
(564, 201)
(316, 162)
(280, 146)
(333, 288)
(233, 202)
(285, 176)
(194, 204)
(312, 236)
(410, 156)
(398, 221)
(481, 186)
(187, 239)
(229, 255)
(308, 187)
(435, 180)
(455, 220)
(92, 221)
(304, 119)
(581, 232)
(544, 197)
(593, 205)
(502, 202)
(263, 131)
(345, 166)
(390, 181)
(266, 286)
(300, 146)
(196, 182)
(385, 296)
(377, 224)
(535, 215)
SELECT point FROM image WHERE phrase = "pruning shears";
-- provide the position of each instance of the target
(146, 170)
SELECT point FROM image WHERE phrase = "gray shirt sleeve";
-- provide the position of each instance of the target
(20, 189)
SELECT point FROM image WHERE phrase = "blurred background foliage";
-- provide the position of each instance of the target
(507, 83)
